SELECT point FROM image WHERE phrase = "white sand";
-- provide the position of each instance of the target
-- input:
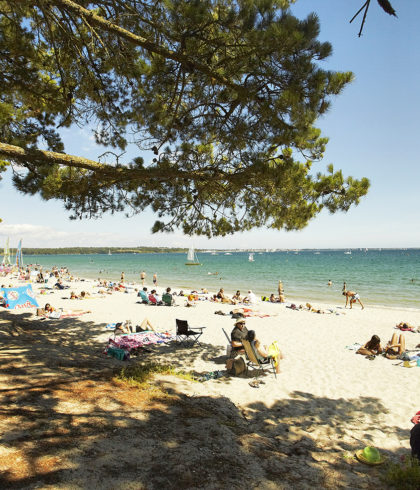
(316, 363)
(339, 400)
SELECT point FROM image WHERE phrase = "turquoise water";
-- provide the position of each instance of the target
(387, 277)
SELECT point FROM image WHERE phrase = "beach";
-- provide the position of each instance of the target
(66, 422)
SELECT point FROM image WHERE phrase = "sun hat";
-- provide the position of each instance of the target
(241, 320)
(370, 455)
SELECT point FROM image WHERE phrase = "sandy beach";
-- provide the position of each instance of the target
(67, 422)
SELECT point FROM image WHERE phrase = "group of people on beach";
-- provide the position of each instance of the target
(221, 297)
(262, 352)
(393, 349)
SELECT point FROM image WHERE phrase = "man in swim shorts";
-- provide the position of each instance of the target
(352, 297)
(142, 277)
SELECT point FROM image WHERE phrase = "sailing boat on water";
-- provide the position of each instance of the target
(19, 259)
(109, 252)
(6, 256)
(251, 257)
(192, 257)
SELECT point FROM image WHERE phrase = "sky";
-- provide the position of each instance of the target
(373, 126)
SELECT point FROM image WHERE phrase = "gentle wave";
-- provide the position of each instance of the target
(387, 277)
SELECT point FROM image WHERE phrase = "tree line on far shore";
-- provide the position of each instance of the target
(94, 250)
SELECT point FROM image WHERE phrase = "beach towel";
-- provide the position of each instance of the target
(133, 341)
(55, 315)
(210, 375)
(406, 329)
(355, 346)
(71, 315)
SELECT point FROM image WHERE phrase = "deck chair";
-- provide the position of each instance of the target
(253, 361)
(233, 353)
(183, 333)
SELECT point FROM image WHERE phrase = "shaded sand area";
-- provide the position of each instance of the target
(67, 421)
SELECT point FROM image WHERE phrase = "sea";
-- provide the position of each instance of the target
(382, 277)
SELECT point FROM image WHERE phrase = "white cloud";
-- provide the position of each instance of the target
(48, 236)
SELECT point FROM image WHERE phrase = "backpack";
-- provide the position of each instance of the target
(236, 366)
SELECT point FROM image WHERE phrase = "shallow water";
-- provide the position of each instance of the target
(387, 277)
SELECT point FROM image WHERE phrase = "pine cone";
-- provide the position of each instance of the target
(387, 7)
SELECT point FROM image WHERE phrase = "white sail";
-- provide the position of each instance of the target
(190, 255)
(6, 256)
(251, 257)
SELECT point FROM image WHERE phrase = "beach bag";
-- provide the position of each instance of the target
(118, 353)
(239, 366)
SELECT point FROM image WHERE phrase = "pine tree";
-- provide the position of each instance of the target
(223, 95)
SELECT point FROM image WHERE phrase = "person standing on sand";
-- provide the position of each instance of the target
(155, 283)
(142, 277)
(122, 276)
(352, 297)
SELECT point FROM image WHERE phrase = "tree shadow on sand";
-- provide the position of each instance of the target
(66, 421)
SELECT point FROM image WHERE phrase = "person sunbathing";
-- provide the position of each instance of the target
(405, 326)
(261, 351)
(222, 297)
(48, 308)
(236, 298)
(73, 295)
(372, 347)
(394, 348)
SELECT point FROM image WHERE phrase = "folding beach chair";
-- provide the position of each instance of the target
(253, 361)
(233, 353)
(183, 333)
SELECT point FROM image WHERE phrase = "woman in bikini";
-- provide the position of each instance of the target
(394, 348)
(371, 348)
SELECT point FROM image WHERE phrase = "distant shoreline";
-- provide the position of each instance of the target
(162, 250)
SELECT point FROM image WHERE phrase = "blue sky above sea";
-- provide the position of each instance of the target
(373, 128)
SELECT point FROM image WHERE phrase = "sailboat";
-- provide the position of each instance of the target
(192, 257)
(109, 252)
(6, 256)
(251, 257)
(19, 259)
